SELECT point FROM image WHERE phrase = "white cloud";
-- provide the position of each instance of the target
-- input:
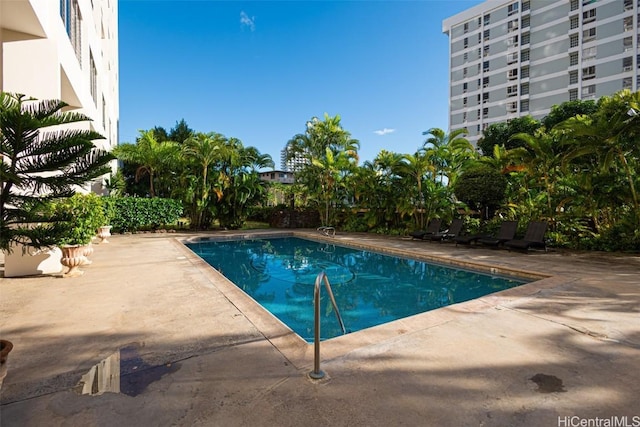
(384, 131)
(246, 21)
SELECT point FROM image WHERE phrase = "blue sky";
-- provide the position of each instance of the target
(258, 71)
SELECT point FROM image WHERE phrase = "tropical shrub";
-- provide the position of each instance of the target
(83, 213)
(136, 213)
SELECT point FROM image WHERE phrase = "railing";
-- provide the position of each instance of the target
(317, 374)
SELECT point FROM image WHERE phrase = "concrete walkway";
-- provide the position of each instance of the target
(185, 348)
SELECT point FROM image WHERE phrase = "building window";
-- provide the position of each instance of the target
(574, 5)
(512, 25)
(627, 82)
(524, 105)
(70, 14)
(573, 77)
(512, 9)
(573, 94)
(627, 43)
(512, 57)
(464, 116)
(589, 73)
(464, 101)
(479, 68)
(464, 72)
(478, 98)
(589, 92)
(93, 78)
(479, 38)
(487, 19)
(524, 72)
(526, 6)
(573, 40)
(478, 115)
(638, 60)
(573, 22)
(589, 53)
(465, 56)
(486, 34)
(627, 23)
(465, 43)
(628, 4)
(525, 38)
(466, 27)
(485, 66)
(627, 64)
(479, 21)
(478, 128)
(512, 90)
(512, 107)
(464, 87)
(526, 21)
(512, 74)
(485, 126)
(479, 53)
(485, 82)
(588, 35)
(485, 51)
(588, 16)
(524, 89)
(573, 58)
(485, 113)
(479, 80)
(524, 55)
(512, 41)
(485, 97)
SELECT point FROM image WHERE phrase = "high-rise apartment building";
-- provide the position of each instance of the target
(67, 50)
(513, 58)
(293, 164)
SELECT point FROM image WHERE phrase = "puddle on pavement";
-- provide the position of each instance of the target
(548, 383)
(123, 372)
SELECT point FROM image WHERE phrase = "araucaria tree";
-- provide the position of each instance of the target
(38, 164)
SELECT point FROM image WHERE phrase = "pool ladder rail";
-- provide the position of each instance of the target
(317, 374)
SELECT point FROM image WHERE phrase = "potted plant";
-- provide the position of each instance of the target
(109, 207)
(84, 214)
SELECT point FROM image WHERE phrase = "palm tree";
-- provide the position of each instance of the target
(450, 153)
(39, 164)
(203, 150)
(151, 157)
(611, 135)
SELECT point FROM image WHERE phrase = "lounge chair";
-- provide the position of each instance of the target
(533, 237)
(432, 228)
(454, 229)
(507, 232)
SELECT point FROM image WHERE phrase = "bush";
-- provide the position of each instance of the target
(84, 215)
(136, 213)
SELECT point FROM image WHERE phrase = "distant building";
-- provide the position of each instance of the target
(514, 58)
(294, 164)
(282, 177)
(66, 50)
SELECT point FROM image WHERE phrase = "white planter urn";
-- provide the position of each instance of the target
(103, 233)
(72, 258)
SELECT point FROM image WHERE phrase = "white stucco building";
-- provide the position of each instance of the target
(68, 50)
(510, 58)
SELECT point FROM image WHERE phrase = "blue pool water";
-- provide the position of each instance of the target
(370, 288)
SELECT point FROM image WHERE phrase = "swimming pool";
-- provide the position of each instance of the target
(370, 288)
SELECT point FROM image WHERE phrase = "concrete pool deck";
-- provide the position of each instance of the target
(193, 350)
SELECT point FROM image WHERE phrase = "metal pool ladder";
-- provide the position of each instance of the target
(317, 374)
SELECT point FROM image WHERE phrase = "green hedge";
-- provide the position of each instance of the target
(136, 213)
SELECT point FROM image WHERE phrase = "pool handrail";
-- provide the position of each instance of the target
(317, 374)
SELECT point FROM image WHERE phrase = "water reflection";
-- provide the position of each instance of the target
(123, 372)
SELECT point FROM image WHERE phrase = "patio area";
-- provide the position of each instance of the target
(180, 345)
